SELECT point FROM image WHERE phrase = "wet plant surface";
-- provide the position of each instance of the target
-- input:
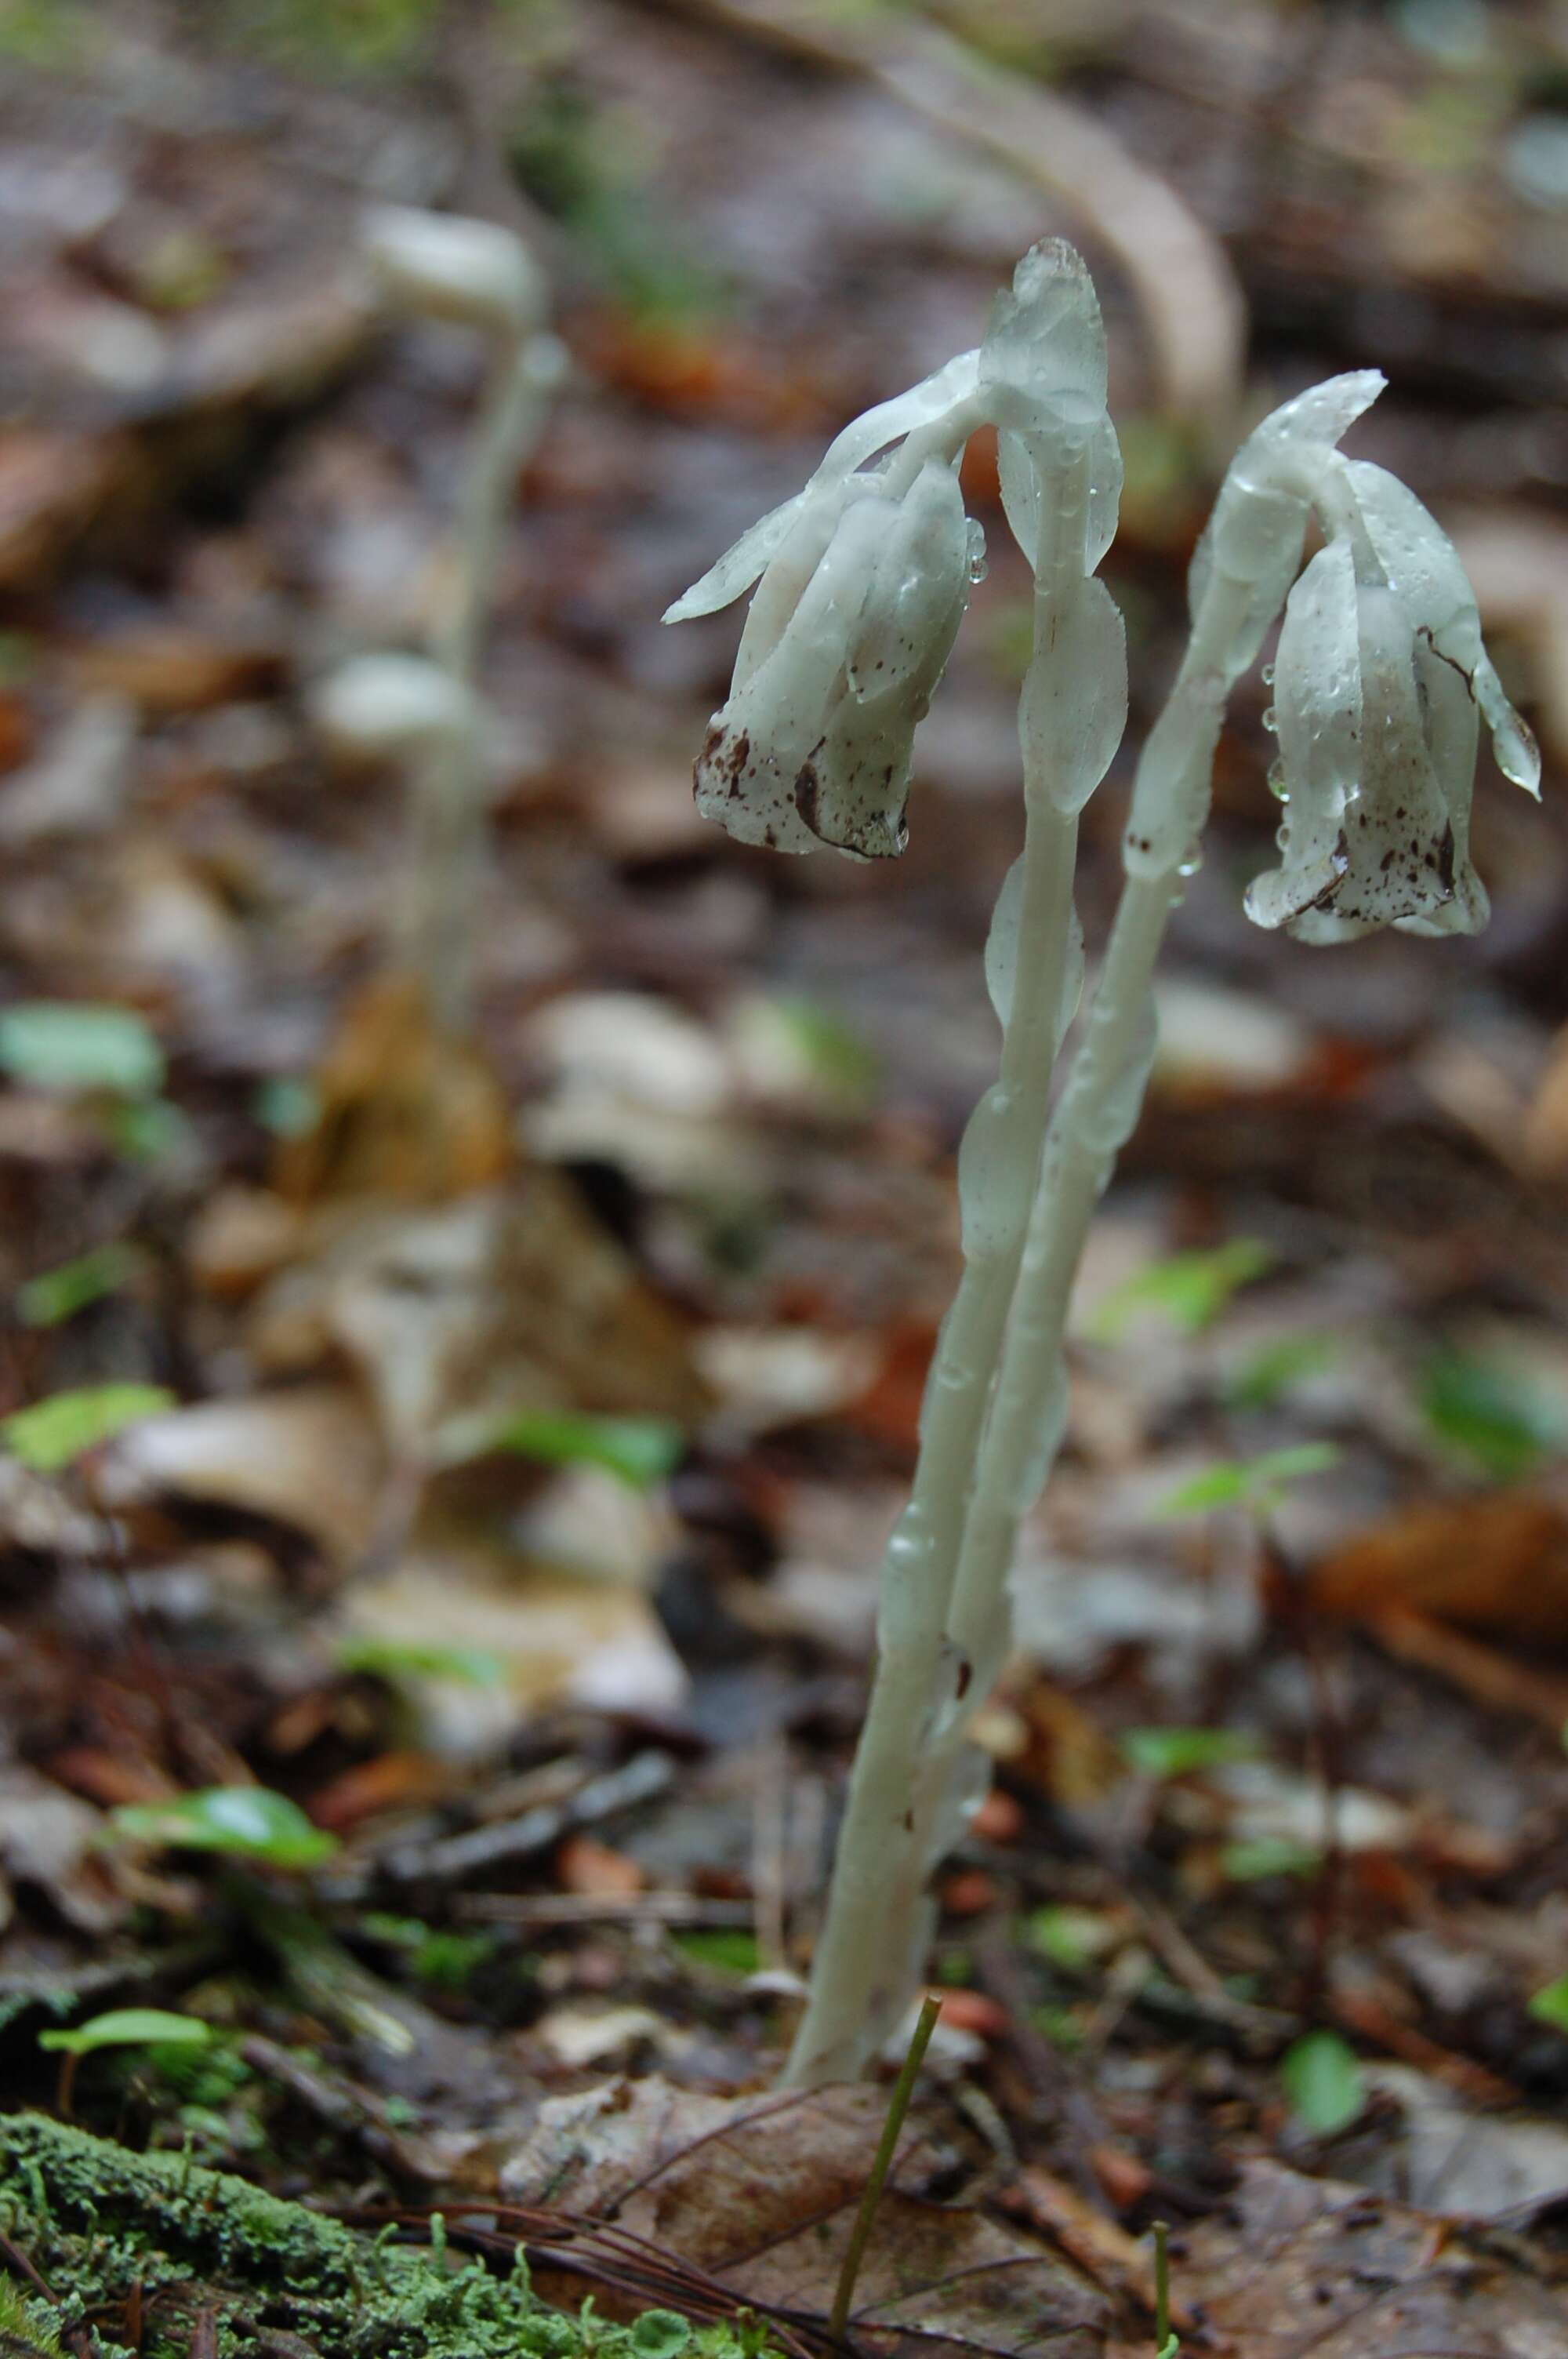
(442, 1480)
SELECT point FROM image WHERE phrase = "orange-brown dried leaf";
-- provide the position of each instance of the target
(407, 1111)
(1497, 1564)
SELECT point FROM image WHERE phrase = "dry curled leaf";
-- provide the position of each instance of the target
(1297, 2266)
(760, 2191)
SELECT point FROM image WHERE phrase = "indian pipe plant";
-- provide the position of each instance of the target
(1380, 686)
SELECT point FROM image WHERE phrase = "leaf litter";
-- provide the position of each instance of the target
(515, 1419)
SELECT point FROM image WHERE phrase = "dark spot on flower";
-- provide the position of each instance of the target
(966, 1673)
(807, 794)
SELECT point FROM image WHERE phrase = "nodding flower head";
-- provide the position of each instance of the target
(1380, 686)
(848, 636)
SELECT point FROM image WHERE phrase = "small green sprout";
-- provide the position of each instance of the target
(1190, 1290)
(1267, 1375)
(728, 1948)
(1324, 2082)
(397, 1661)
(54, 1433)
(129, 2027)
(122, 2027)
(57, 1294)
(1177, 1751)
(1071, 1938)
(70, 1046)
(639, 1451)
(1489, 1412)
(1550, 2005)
(1267, 1856)
(1256, 1483)
(250, 1822)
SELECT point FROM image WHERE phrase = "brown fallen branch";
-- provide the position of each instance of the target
(1179, 272)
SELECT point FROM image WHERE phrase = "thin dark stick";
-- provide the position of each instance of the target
(859, 2235)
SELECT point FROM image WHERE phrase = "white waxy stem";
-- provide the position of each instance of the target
(480, 276)
(408, 709)
(450, 266)
(898, 1823)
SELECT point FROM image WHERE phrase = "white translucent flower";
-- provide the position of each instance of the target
(848, 634)
(451, 267)
(1380, 686)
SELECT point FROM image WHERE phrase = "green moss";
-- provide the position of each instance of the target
(96, 2219)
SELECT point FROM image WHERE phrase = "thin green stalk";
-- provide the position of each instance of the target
(898, 2106)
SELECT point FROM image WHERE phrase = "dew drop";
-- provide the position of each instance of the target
(1277, 785)
(1191, 861)
(1267, 675)
(1271, 718)
(975, 553)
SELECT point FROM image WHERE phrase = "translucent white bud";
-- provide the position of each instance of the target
(450, 266)
(849, 630)
(383, 705)
(1377, 752)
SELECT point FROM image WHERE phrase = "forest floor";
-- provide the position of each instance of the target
(476, 1457)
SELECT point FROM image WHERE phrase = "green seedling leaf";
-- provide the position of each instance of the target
(391, 1659)
(68, 1045)
(731, 1948)
(808, 1042)
(249, 1820)
(146, 1130)
(1250, 1863)
(1176, 1752)
(1488, 1413)
(56, 1295)
(53, 1432)
(1268, 1375)
(288, 1105)
(1071, 1938)
(1551, 2004)
(660, 2334)
(1253, 1482)
(1190, 1290)
(1324, 2082)
(640, 1451)
(130, 2026)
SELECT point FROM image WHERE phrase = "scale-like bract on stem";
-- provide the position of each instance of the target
(1382, 680)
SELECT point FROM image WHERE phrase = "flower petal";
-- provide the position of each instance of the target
(1422, 564)
(1317, 700)
(733, 573)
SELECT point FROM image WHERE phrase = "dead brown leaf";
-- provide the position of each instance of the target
(309, 1457)
(1497, 1564)
(760, 2191)
(1298, 2266)
(406, 1111)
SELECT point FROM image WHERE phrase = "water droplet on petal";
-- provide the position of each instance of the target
(976, 553)
(1267, 675)
(1271, 718)
(1277, 785)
